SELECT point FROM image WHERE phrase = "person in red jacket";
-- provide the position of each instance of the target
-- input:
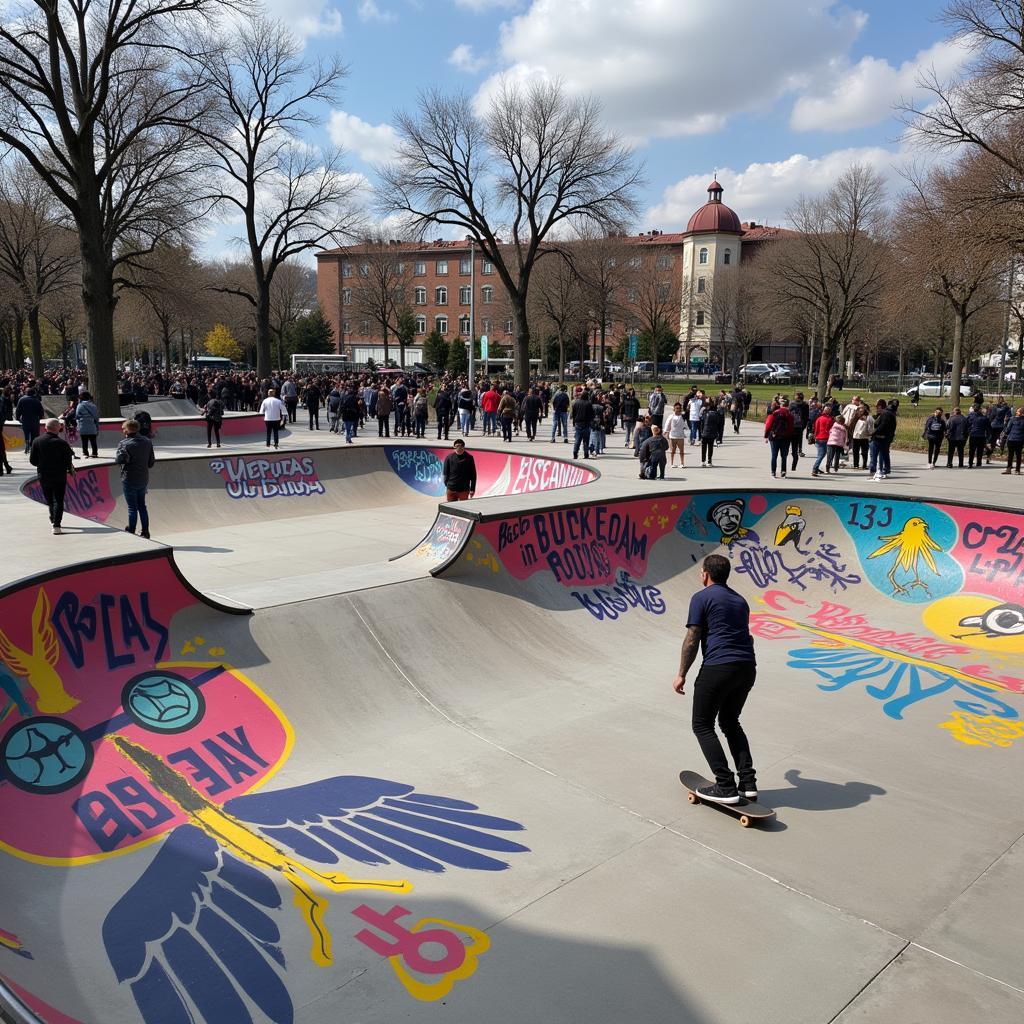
(822, 428)
(778, 432)
(489, 403)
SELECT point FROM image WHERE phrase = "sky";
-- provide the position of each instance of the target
(776, 96)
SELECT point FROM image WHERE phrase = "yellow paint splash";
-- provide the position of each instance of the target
(983, 730)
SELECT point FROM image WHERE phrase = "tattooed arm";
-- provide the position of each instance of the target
(691, 644)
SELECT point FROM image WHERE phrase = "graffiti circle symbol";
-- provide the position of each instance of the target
(163, 702)
(45, 755)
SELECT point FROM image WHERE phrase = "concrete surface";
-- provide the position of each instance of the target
(888, 889)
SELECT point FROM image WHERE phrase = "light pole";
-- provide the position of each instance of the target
(472, 309)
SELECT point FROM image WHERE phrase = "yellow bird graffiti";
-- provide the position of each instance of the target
(38, 666)
(911, 544)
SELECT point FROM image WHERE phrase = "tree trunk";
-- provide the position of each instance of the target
(19, 340)
(828, 351)
(600, 357)
(263, 330)
(561, 356)
(98, 300)
(959, 324)
(521, 352)
(36, 339)
(386, 347)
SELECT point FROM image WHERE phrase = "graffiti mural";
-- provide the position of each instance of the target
(107, 746)
(445, 540)
(281, 476)
(88, 494)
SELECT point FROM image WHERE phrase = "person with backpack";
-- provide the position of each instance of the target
(213, 412)
(934, 433)
(778, 433)
(711, 423)
(822, 428)
(652, 455)
(420, 411)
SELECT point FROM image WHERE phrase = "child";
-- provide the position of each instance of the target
(837, 436)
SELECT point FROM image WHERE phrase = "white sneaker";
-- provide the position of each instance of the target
(878, 476)
(56, 531)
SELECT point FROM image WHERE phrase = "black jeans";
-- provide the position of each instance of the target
(975, 450)
(860, 452)
(314, 417)
(54, 495)
(531, 427)
(1013, 452)
(720, 692)
(273, 428)
(934, 447)
(89, 441)
(779, 446)
(506, 429)
(958, 448)
(212, 429)
(291, 404)
(707, 449)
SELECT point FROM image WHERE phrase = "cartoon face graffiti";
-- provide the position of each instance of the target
(1004, 620)
(911, 545)
(790, 530)
(727, 515)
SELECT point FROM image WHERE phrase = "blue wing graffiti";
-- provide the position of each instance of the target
(195, 937)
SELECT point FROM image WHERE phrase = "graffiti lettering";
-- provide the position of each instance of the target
(869, 517)
(573, 541)
(844, 668)
(545, 475)
(605, 603)
(976, 535)
(86, 495)
(510, 532)
(127, 631)
(268, 478)
(417, 465)
(826, 564)
(127, 806)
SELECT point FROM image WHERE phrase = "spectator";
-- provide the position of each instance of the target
(838, 436)
(213, 412)
(29, 412)
(274, 416)
(88, 424)
(582, 415)
(885, 430)
(676, 431)
(459, 473)
(956, 437)
(822, 428)
(1014, 433)
(778, 433)
(863, 428)
(54, 460)
(384, 412)
(560, 419)
(977, 436)
(135, 457)
(710, 428)
(934, 433)
(652, 455)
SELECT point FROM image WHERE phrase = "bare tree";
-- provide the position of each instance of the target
(292, 294)
(292, 198)
(535, 162)
(380, 289)
(604, 264)
(560, 301)
(653, 300)
(835, 263)
(101, 100)
(62, 310)
(950, 252)
(37, 252)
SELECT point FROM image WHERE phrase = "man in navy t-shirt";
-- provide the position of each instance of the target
(719, 623)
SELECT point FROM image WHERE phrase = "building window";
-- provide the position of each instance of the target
(441, 267)
(508, 326)
(346, 270)
(346, 296)
(727, 258)
(464, 325)
(346, 327)
(420, 294)
(634, 262)
(663, 290)
(465, 294)
(702, 257)
(441, 324)
(631, 295)
(421, 268)
(399, 269)
(664, 261)
(487, 294)
(441, 296)
(364, 327)
(421, 324)
(487, 267)
(700, 317)
(465, 265)
(485, 325)
(364, 269)
(701, 285)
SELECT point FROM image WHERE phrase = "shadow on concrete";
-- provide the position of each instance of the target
(202, 547)
(808, 794)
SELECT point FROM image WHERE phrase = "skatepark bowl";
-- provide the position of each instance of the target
(448, 788)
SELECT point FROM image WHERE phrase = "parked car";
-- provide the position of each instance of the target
(754, 373)
(723, 378)
(781, 375)
(936, 389)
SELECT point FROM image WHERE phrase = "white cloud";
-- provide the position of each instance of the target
(762, 192)
(487, 5)
(667, 68)
(855, 96)
(307, 18)
(369, 11)
(462, 58)
(372, 143)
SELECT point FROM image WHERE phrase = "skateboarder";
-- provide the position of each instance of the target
(719, 623)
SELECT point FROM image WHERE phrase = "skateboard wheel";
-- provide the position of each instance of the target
(692, 797)
(745, 821)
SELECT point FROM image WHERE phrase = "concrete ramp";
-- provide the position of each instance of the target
(456, 796)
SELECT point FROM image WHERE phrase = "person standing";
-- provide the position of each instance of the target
(652, 455)
(290, 397)
(838, 436)
(778, 433)
(54, 460)
(656, 403)
(459, 473)
(350, 413)
(694, 412)
(443, 411)
(977, 436)
(273, 411)
(384, 412)
(135, 457)
(532, 407)
(711, 424)
(630, 412)
(718, 624)
(597, 425)
(822, 428)
(863, 428)
(213, 411)
(506, 414)
(420, 410)
(465, 404)
(88, 424)
(999, 415)
(885, 430)
(1014, 433)
(675, 430)
(29, 412)
(956, 437)
(489, 402)
(582, 415)
(934, 432)
(800, 412)
(312, 397)
(560, 419)
(334, 410)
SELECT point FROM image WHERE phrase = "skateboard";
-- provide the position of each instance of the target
(748, 811)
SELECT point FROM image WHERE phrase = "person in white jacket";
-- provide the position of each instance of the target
(274, 412)
(676, 429)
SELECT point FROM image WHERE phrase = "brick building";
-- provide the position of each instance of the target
(435, 280)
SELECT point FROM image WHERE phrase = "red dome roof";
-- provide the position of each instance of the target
(714, 215)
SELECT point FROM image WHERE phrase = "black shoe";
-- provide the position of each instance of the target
(748, 791)
(145, 533)
(128, 529)
(718, 795)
